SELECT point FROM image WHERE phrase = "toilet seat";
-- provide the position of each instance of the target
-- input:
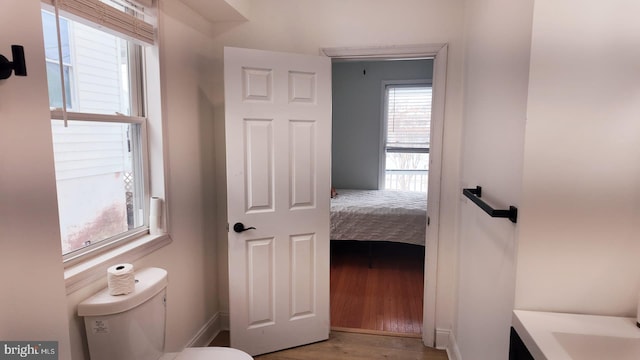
(212, 353)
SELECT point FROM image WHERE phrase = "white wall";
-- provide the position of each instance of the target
(32, 299)
(497, 34)
(579, 246)
(575, 247)
(306, 27)
(185, 61)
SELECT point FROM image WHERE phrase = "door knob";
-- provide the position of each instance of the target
(239, 227)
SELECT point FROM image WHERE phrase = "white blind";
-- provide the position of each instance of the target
(408, 117)
(113, 16)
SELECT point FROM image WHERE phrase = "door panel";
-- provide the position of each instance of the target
(258, 140)
(303, 289)
(261, 290)
(303, 167)
(278, 137)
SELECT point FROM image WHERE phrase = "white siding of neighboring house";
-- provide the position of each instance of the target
(89, 149)
(97, 72)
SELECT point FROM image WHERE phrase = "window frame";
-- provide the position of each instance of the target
(104, 245)
(383, 124)
(138, 109)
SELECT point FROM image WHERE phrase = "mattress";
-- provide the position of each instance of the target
(379, 215)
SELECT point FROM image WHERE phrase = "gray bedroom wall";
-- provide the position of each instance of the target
(357, 118)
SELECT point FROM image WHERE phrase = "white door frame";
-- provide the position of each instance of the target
(439, 53)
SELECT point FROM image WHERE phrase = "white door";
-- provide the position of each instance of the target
(278, 138)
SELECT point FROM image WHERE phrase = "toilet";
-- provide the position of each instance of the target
(132, 326)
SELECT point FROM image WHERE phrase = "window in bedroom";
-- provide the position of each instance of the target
(95, 82)
(407, 132)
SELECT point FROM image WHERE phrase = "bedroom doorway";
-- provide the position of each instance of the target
(359, 266)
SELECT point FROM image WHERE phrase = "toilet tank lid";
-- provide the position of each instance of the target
(149, 282)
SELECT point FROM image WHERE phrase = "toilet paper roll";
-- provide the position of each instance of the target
(155, 216)
(121, 279)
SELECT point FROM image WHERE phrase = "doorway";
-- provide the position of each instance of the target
(380, 141)
(438, 52)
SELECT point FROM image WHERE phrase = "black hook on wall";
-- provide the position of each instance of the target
(18, 65)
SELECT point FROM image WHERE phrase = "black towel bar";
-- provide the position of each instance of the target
(475, 194)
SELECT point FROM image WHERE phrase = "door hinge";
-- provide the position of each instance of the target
(428, 222)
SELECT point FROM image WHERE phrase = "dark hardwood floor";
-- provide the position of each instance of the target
(386, 298)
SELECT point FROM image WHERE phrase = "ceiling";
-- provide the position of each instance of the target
(220, 10)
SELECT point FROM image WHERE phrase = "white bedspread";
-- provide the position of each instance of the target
(379, 215)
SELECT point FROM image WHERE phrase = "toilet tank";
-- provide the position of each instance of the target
(128, 327)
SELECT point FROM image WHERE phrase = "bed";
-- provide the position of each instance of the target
(379, 215)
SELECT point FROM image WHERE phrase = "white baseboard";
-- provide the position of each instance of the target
(452, 349)
(207, 333)
(224, 321)
(442, 338)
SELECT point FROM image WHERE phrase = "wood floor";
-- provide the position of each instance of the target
(387, 297)
(351, 346)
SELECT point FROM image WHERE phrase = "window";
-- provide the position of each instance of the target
(99, 132)
(53, 61)
(407, 131)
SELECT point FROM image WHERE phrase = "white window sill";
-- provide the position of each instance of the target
(84, 273)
